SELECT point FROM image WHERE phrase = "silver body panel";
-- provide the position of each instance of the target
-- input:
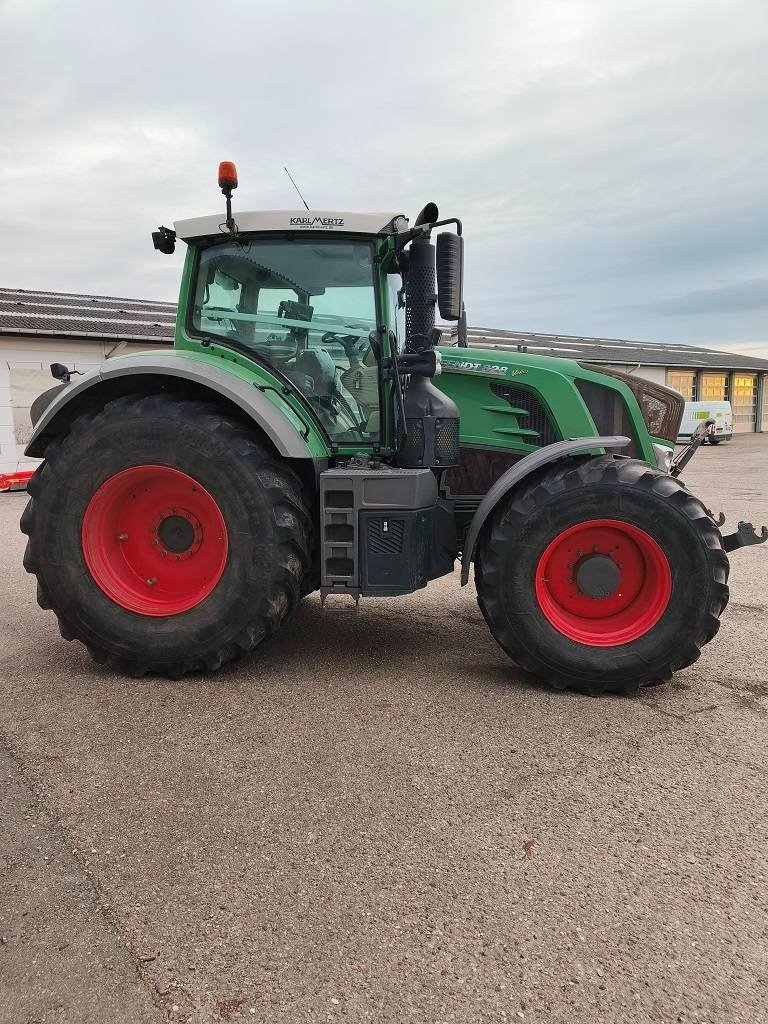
(288, 220)
(283, 434)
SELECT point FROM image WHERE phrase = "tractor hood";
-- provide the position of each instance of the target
(529, 399)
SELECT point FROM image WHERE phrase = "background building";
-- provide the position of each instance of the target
(39, 328)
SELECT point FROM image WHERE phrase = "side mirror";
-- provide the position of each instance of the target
(450, 275)
(60, 372)
(164, 240)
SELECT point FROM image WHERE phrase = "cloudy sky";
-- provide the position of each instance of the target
(609, 159)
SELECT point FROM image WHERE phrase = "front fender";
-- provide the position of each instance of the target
(516, 473)
(276, 422)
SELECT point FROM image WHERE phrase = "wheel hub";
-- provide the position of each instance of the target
(598, 576)
(178, 533)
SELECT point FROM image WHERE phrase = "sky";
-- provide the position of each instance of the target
(609, 161)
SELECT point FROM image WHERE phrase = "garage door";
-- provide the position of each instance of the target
(764, 390)
(714, 387)
(683, 381)
(744, 402)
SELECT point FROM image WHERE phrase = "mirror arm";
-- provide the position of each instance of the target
(448, 220)
(461, 340)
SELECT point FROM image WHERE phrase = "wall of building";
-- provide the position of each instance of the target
(25, 374)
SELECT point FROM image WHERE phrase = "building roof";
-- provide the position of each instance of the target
(614, 350)
(290, 220)
(66, 314)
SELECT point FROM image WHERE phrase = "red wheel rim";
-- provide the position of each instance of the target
(603, 582)
(154, 540)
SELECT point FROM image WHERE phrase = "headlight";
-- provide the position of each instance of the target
(662, 408)
(664, 457)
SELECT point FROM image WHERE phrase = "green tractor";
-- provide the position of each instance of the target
(307, 432)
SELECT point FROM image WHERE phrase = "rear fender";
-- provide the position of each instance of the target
(522, 469)
(56, 409)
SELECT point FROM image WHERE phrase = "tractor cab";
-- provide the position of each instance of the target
(318, 299)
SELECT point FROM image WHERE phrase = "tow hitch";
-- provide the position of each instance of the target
(744, 536)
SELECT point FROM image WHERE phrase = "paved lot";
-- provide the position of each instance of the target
(379, 818)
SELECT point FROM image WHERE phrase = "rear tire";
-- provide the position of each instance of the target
(164, 536)
(611, 523)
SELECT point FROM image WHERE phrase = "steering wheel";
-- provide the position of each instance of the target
(354, 347)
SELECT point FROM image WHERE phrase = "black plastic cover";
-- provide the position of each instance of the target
(450, 264)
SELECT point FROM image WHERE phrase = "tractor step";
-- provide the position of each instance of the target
(375, 522)
(350, 605)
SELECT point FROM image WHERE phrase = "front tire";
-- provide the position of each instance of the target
(164, 536)
(603, 575)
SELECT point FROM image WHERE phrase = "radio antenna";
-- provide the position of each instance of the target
(301, 197)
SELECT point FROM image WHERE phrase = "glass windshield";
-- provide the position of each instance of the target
(307, 307)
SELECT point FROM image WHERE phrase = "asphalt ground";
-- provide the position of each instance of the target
(379, 818)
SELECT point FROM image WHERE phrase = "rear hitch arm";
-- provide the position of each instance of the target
(745, 536)
(684, 457)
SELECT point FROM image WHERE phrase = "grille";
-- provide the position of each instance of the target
(532, 415)
(412, 450)
(447, 441)
(386, 541)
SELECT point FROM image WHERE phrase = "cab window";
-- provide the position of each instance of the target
(306, 307)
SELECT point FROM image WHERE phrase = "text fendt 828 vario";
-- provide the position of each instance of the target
(294, 439)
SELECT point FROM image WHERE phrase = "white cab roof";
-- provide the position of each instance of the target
(287, 220)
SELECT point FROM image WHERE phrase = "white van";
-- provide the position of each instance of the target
(699, 412)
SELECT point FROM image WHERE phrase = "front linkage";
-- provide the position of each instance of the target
(746, 535)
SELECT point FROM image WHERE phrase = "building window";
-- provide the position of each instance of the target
(683, 381)
(714, 387)
(744, 402)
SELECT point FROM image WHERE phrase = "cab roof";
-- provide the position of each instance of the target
(291, 220)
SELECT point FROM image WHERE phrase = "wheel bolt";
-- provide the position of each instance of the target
(151, 581)
(122, 536)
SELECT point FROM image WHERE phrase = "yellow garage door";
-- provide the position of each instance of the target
(744, 402)
(714, 387)
(683, 381)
